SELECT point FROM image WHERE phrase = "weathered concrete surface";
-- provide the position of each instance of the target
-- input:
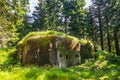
(52, 48)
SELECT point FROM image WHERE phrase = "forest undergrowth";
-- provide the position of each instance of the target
(106, 66)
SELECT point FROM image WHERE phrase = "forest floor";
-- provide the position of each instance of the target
(106, 66)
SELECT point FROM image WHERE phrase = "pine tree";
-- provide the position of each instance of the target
(11, 19)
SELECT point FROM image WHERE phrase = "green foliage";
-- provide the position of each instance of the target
(68, 16)
(60, 15)
(12, 15)
(106, 14)
(46, 15)
(105, 66)
(4, 53)
(112, 58)
(74, 15)
(87, 51)
(45, 33)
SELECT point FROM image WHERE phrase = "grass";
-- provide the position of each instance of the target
(3, 55)
(48, 33)
(105, 67)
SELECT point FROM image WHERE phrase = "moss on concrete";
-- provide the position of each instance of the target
(34, 47)
(45, 33)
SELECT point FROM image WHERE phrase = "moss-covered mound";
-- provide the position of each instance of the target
(51, 47)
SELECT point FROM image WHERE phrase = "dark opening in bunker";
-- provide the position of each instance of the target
(66, 56)
(61, 55)
(77, 55)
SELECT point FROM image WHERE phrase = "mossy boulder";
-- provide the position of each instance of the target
(51, 47)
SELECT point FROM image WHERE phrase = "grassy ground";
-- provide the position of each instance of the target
(105, 67)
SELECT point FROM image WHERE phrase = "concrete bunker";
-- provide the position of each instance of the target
(49, 47)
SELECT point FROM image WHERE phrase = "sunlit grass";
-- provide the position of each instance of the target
(3, 55)
(102, 68)
(55, 33)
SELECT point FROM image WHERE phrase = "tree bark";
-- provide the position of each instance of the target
(116, 41)
(100, 27)
(65, 25)
(54, 16)
(109, 41)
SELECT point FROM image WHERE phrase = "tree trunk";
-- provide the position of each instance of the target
(100, 26)
(83, 34)
(65, 25)
(109, 42)
(92, 28)
(116, 41)
(54, 16)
